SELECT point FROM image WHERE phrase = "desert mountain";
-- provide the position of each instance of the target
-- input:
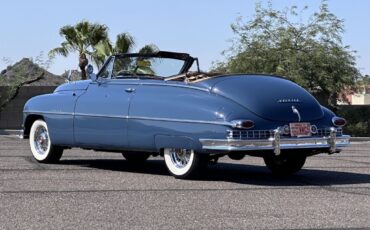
(27, 73)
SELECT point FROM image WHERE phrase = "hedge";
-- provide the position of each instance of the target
(358, 119)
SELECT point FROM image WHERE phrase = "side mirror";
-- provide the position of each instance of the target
(90, 72)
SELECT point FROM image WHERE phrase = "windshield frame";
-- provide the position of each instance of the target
(188, 60)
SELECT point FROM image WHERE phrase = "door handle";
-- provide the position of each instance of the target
(130, 90)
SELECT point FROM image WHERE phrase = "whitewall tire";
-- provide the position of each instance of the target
(183, 163)
(41, 145)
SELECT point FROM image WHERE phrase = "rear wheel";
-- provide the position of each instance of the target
(136, 157)
(41, 145)
(183, 163)
(284, 164)
(236, 156)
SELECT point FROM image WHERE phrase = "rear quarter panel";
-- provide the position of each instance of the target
(169, 115)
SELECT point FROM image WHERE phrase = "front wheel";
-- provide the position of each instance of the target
(284, 164)
(183, 163)
(41, 145)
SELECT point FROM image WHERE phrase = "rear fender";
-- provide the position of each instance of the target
(181, 142)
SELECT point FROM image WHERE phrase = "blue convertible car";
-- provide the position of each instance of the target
(152, 104)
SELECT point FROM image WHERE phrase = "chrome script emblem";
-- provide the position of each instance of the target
(295, 110)
(289, 100)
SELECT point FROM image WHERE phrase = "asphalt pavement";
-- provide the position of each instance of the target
(99, 190)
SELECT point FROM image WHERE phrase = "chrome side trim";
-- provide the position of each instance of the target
(182, 120)
(224, 123)
(275, 144)
(136, 82)
(48, 112)
(100, 115)
(174, 85)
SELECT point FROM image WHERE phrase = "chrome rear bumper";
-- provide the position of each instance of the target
(276, 143)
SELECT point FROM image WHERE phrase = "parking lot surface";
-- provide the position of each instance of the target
(99, 190)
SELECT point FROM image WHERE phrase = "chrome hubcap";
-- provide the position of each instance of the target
(41, 140)
(180, 157)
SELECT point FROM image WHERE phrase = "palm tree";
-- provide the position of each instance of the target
(91, 41)
(124, 44)
(83, 38)
(148, 49)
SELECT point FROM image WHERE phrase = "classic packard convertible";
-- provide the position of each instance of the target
(162, 105)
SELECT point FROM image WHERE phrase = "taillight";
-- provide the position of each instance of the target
(339, 121)
(243, 124)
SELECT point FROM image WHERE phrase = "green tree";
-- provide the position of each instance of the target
(125, 43)
(366, 80)
(91, 41)
(83, 39)
(309, 52)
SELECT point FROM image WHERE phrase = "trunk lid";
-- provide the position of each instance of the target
(269, 97)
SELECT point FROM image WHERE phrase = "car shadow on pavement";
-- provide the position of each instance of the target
(260, 175)
(235, 173)
(155, 167)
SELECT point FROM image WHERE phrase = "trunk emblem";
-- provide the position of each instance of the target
(289, 100)
(295, 110)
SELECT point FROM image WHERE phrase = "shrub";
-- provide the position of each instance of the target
(358, 119)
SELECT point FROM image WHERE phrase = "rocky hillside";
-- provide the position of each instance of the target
(25, 73)
(22, 74)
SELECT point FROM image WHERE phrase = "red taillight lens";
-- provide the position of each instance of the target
(339, 121)
(243, 124)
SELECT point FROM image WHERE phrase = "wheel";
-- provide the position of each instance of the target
(236, 156)
(136, 157)
(183, 163)
(41, 145)
(284, 165)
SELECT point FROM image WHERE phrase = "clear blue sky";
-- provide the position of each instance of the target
(201, 28)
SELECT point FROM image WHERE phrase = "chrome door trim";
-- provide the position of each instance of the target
(225, 123)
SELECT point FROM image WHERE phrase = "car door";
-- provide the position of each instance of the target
(101, 114)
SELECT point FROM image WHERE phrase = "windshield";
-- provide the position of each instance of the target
(146, 66)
